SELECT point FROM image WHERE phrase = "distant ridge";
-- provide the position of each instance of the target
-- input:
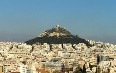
(57, 35)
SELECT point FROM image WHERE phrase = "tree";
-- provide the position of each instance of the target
(98, 59)
(98, 70)
(84, 69)
(90, 66)
(108, 70)
(56, 71)
(78, 70)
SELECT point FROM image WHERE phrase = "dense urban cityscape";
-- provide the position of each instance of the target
(97, 57)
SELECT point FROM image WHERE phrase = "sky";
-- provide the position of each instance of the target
(21, 20)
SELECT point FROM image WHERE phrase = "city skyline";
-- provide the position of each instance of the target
(22, 20)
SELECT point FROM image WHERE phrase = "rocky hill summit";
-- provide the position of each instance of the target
(57, 35)
(56, 31)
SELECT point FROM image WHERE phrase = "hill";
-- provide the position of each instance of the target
(57, 35)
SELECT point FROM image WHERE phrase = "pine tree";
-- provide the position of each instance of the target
(84, 69)
(90, 66)
(98, 70)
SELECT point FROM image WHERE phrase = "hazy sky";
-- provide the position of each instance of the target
(21, 20)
